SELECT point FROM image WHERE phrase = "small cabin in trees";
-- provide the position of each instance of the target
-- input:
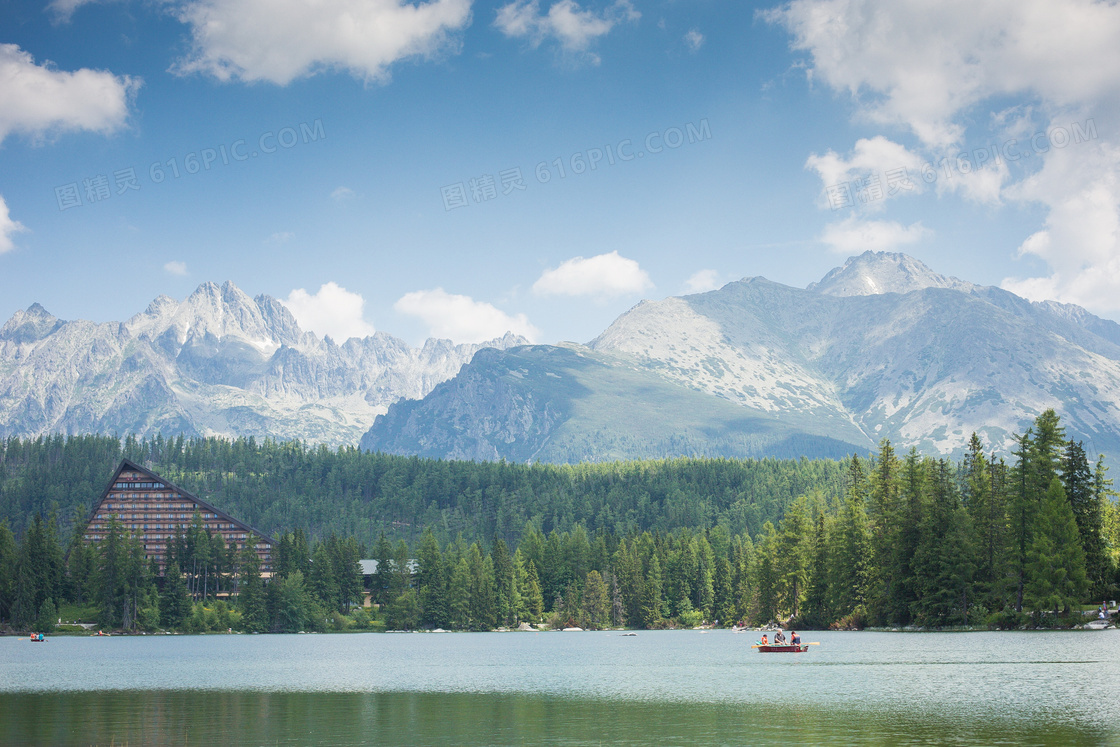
(155, 509)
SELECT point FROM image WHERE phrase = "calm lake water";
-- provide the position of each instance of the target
(665, 688)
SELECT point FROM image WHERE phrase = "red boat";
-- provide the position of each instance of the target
(789, 648)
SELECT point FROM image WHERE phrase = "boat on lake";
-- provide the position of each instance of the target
(786, 648)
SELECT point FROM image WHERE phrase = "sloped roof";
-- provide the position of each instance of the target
(131, 465)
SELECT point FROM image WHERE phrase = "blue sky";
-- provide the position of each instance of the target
(359, 159)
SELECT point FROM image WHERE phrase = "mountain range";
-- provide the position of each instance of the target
(882, 346)
(217, 363)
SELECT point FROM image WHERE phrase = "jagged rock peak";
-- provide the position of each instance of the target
(31, 325)
(874, 273)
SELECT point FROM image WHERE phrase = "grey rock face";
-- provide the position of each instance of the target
(882, 347)
(217, 363)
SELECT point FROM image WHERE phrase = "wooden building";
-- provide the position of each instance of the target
(153, 508)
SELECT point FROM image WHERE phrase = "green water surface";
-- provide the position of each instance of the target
(665, 688)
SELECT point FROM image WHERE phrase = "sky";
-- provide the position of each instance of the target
(460, 168)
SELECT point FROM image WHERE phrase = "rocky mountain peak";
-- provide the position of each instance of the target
(874, 273)
(31, 325)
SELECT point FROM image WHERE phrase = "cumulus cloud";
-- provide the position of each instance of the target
(175, 268)
(912, 64)
(461, 318)
(604, 275)
(8, 228)
(855, 236)
(572, 27)
(1080, 240)
(702, 281)
(281, 40)
(915, 64)
(38, 100)
(694, 40)
(878, 155)
(333, 311)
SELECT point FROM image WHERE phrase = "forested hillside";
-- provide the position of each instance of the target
(879, 541)
(278, 487)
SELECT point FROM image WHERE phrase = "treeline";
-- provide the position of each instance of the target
(205, 585)
(276, 486)
(911, 541)
(901, 541)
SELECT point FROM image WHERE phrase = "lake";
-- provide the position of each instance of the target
(665, 688)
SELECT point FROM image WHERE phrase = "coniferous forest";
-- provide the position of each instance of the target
(882, 540)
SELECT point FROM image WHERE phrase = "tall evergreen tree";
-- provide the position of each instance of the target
(1078, 482)
(531, 593)
(174, 600)
(1056, 578)
(251, 593)
(431, 582)
(651, 612)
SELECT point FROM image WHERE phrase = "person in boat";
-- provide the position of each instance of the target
(794, 638)
(779, 639)
(764, 641)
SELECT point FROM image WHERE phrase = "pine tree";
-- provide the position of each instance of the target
(504, 582)
(459, 596)
(595, 607)
(431, 582)
(484, 603)
(9, 555)
(767, 575)
(251, 593)
(531, 593)
(1078, 481)
(651, 613)
(383, 573)
(174, 601)
(1056, 577)
(815, 611)
(851, 555)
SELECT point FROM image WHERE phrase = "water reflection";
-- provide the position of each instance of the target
(249, 718)
(668, 688)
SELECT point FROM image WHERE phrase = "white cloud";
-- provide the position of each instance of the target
(702, 281)
(281, 40)
(63, 9)
(332, 311)
(39, 100)
(280, 237)
(1035, 64)
(1080, 240)
(918, 64)
(175, 268)
(566, 22)
(603, 275)
(461, 318)
(342, 194)
(694, 40)
(877, 155)
(8, 228)
(855, 236)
